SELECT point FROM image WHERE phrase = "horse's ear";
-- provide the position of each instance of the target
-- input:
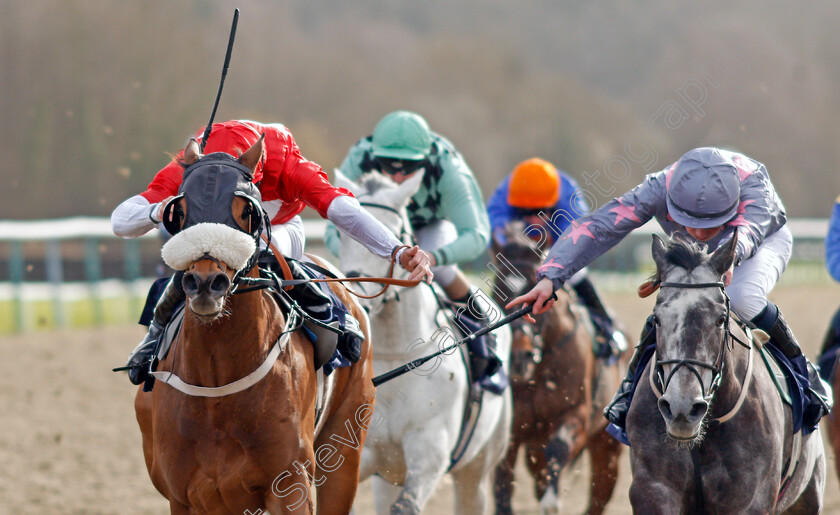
(724, 256)
(342, 181)
(658, 249)
(252, 156)
(192, 151)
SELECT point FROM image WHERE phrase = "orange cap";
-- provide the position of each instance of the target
(534, 184)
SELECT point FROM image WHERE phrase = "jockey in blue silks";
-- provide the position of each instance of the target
(547, 200)
(831, 342)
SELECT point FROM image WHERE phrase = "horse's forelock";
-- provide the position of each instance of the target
(686, 254)
(373, 182)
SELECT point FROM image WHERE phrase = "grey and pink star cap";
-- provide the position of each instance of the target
(704, 189)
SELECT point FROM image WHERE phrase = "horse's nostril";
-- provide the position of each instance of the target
(190, 283)
(220, 284)
(665, 409)
(698, 409)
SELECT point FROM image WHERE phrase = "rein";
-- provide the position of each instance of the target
(290, 282)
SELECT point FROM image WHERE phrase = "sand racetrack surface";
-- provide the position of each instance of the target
(69, 442)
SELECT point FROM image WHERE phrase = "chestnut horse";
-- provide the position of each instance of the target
(232, 429)
(559, 389)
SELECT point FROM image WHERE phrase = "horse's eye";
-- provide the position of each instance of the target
(656, 321)
(721, 320)
(246, 212)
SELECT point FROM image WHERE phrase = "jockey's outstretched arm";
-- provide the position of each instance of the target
(351, 218)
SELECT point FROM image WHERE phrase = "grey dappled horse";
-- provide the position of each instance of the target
(719, 438)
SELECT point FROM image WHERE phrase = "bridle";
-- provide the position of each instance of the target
(404, 236)
(727, 341)
(692, 364)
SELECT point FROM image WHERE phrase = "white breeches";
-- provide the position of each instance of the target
(754, 278)
(434, 236)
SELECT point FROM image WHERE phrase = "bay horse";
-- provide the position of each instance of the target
(709, 432)
(416, 434)
(230, 425)
(559, 388)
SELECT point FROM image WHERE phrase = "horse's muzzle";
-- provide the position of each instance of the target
(683, 416)
(206, 291)
(216, 284)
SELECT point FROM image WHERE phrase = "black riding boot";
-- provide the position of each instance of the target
(140, 359)
(484, 363)
(820, 399)
(611, 342)
(616, 410)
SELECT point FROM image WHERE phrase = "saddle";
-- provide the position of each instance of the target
(780, 377)
(333, 331)
(607, 349)
(791, 384)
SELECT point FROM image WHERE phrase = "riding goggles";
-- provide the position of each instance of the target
(522, 213)
(393, 166)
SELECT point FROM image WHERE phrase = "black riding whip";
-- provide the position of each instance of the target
(222, 82)
(411, 365)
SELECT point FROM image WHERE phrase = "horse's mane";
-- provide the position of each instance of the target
(373, 182)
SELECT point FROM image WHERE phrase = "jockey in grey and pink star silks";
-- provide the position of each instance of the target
(760, 213)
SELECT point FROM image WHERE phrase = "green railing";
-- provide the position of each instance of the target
(73, 272)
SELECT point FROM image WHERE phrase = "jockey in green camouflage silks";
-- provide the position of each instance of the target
(447, 213)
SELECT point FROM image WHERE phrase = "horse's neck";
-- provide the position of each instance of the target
(233, 345)
(564, 319)
(412, 315)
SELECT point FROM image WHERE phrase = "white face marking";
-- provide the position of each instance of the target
(675, 312)
(550, 502)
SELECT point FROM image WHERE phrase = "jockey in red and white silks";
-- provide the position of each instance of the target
(287, 181)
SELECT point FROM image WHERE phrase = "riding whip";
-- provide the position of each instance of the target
(387, 376)
(222, 82)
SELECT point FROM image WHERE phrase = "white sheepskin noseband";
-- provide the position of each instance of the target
(231, 247)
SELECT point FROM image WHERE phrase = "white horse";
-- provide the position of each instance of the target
(418, 417)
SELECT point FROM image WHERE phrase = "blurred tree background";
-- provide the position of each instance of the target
(94, 93)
